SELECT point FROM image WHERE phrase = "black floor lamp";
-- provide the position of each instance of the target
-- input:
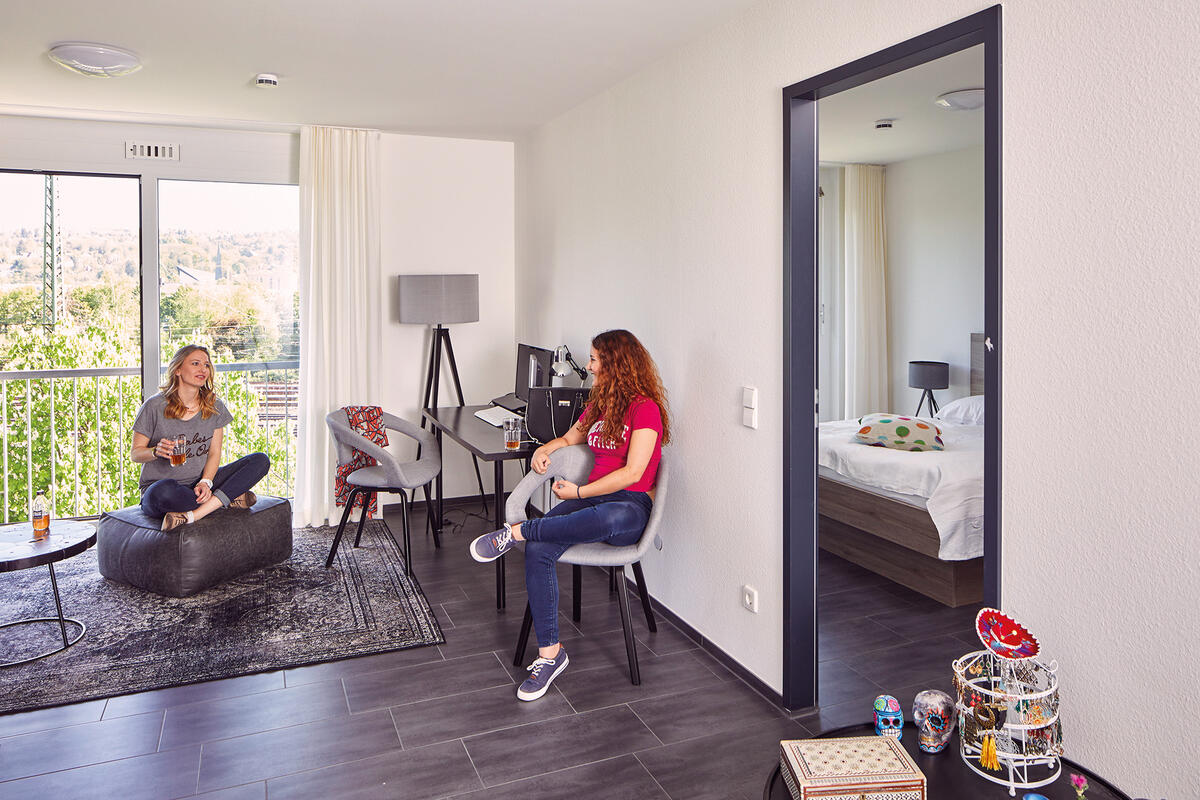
(927, 376)
(441, 300)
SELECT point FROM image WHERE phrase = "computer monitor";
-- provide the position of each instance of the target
(534, 368)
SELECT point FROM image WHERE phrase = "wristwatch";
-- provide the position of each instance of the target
(206, 480)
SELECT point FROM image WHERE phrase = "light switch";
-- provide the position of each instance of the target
(749, 397)
(750, 417)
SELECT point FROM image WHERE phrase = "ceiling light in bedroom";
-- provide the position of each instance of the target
(95, 60)
(961, 100)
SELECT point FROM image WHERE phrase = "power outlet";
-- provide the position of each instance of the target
(750, 599)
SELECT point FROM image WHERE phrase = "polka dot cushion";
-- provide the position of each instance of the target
(899, 433)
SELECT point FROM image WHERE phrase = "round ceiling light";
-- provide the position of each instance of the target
(961, 100)
(96, 60)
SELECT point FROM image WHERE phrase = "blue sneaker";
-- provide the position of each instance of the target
(541, 672)
(492, 545)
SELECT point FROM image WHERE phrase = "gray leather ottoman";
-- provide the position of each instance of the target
(191, 558)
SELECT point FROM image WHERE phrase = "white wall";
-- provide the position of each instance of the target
(934, 219)
(204, 153)
(448, 207)
(657, 205)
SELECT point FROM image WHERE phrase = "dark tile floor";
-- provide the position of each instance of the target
(443, 721)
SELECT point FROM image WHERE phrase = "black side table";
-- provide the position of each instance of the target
(948, 778)
(19, 550)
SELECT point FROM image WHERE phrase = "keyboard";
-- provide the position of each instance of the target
(495, 415)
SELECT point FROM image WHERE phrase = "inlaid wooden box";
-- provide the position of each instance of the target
(854, 768)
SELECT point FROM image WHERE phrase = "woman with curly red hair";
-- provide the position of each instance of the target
(625, 424)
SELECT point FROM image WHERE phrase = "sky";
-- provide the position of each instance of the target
(98, 204)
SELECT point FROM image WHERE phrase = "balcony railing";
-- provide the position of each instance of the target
(68, 431)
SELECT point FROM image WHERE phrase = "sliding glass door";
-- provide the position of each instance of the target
(228, 274)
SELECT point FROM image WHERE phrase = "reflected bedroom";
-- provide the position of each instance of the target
(901, 381)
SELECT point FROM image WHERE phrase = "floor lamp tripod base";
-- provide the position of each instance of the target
(440, 342)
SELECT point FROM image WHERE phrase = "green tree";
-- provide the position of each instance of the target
(20, 306)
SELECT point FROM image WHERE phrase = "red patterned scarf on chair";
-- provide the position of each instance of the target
(368, 421)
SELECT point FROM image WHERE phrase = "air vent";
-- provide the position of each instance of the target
(148, 151)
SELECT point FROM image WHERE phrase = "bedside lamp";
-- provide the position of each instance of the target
(927, 376)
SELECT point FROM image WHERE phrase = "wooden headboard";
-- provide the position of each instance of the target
(977, 363)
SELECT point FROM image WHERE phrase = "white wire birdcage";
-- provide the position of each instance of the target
(1014, 703)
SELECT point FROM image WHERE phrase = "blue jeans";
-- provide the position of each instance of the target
(618, 519)
(232, 480)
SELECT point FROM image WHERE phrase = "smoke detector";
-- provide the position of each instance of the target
(961, 100)
(266, 80)
(95, 60)
(883, 124)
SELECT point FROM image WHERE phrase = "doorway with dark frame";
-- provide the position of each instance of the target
(801, 554)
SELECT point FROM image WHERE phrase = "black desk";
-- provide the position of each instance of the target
(484, 441)
(947, 777)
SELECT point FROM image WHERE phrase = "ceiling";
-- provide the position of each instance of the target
(472, 68)
(847, 131)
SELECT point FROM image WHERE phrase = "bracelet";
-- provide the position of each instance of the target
(577, 494)
(206, 480)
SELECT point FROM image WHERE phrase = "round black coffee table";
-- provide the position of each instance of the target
(19, 550)
(948, 778)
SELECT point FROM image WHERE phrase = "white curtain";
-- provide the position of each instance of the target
(865, 253)
(340, 305)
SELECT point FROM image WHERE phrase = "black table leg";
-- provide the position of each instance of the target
(437, 526)
(62, 623)
(60, 619)
(499, 501)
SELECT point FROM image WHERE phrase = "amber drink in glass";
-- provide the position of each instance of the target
(179, 452)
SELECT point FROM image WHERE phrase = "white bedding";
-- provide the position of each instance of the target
(950, 481)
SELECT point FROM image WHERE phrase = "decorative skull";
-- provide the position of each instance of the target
(933, 712)
(889, 719)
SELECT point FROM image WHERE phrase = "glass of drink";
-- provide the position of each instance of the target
(179, 451)
(512, 434)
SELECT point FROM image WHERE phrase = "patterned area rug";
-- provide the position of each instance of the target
(289, 615)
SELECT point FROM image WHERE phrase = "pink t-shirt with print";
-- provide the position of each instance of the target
(611, 456)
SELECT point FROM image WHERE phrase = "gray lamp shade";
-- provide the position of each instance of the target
(438, 299)
(929, 374)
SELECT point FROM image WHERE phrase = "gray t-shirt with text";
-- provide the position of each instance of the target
(152, 422)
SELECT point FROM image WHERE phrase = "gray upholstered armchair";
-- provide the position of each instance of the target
(389, 475)
(575, 463)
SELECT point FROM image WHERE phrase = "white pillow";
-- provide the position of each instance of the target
(964, 411)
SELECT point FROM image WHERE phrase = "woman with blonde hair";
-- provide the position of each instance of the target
(625, 423)
(187, 419)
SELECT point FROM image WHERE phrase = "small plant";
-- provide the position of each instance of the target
(1080, 784)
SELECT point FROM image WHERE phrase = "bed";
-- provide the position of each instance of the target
(914, 518)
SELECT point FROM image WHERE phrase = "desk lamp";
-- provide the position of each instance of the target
(564, 364)
(927, 376)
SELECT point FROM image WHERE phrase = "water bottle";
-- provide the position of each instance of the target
(41, 516)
